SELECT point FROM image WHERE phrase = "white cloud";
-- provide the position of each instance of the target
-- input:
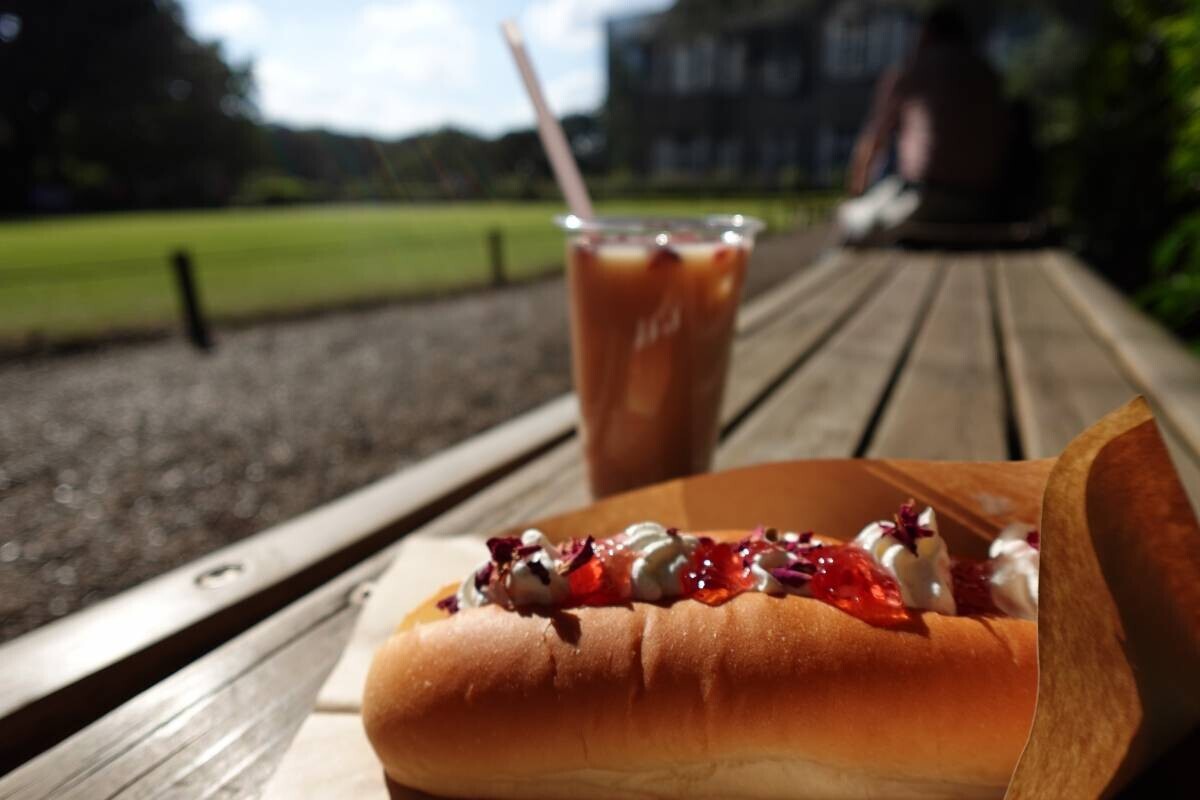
(392, 67)
(578, 90)
(232, 19)
(577, 25)
(293, 93)
(425, 42)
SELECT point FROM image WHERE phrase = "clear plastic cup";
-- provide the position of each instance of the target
(653, 304)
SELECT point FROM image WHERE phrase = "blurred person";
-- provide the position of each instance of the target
(944, 114)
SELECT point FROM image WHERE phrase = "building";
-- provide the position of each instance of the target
(778, 93)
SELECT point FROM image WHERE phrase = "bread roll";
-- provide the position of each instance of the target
(762, 697)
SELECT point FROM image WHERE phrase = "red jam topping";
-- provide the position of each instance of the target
(846, 577)
(600, 573)
(717, 573)
(972, 587)
(604, 579)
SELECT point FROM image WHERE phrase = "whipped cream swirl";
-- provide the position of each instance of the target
(662, 558)
(532, 572)
(1015, 565)
(921, 568)
(524, 585)
(763, 562)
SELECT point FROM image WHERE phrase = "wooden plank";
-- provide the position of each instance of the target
(785, 295)
(72, 671)
(1154, 360)
(107, 758)
(1062, 379)
(949, 401)
(93, 761)
(771, 351)
(825, 408)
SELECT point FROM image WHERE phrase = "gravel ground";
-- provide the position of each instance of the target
(120, 463)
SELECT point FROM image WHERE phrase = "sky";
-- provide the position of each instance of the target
(395, 67)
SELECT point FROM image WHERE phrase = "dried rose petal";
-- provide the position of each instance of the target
(502, 548)
(793, 577)
(805, 548)
(449, 604)
(526, 550)
(972, 586)
(907, 527)
(579, 554)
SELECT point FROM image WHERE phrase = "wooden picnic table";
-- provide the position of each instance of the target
(204, 675)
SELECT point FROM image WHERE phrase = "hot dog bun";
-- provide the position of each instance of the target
(762, 697)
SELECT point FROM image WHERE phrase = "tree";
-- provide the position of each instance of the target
(114, 104)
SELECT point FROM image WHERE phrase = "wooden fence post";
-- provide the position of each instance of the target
(194, 323)
(495, 246)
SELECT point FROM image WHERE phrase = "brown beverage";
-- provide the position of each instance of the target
(653, 305)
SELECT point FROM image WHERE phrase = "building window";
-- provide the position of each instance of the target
(699, 154)
(888, 36)
(729, 156)
(694, 65)
(782, 72)
(858, 43)
(732, 59)
(681, 68)
(663, 158)
(834, 146)
(704, 63)
(845, 43)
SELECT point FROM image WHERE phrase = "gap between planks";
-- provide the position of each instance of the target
(947, 401)
(822, 408)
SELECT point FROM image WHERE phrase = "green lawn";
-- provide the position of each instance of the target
(83, 276)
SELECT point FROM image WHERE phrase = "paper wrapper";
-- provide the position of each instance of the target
(1119, 616)
(1119, 634)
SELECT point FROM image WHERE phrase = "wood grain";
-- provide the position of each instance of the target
(1156, 359)
(1162, 368)
(113, 756)
(763, 359)
(949, 401)
(1062, 379)
(824, 408)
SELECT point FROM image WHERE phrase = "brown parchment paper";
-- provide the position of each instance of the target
(1109, 700)
(1119, 617)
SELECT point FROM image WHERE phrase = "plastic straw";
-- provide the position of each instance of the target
(554, 141)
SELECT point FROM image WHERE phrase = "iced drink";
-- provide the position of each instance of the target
(653, 305)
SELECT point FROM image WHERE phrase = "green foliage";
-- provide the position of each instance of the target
(269, 188)
(1125, 153)
(1173, 294)
(113, 104)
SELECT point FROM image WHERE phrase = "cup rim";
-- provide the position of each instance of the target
(650, 225)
